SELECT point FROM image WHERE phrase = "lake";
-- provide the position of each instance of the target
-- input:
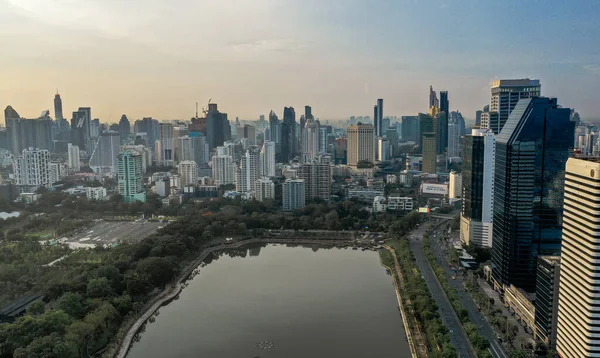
(276, 301)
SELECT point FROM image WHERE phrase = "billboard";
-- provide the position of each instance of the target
(424, 210)
(439, 189)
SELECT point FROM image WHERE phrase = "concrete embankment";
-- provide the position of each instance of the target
(175, 288)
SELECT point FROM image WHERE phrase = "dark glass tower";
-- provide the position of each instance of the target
(473, 170)
(443, 122)
(531, 153)
(124, 128)
(58, 111)
(288, 135)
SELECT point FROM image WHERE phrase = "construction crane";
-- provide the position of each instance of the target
(205, 110)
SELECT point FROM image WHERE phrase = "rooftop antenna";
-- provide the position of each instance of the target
(196, 109)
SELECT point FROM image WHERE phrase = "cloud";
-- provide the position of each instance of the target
(593, 69)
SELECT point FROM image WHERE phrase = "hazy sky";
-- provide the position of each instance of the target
(157, 58)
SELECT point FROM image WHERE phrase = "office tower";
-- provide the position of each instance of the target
(455, 185)
(265, 189)
(248, 172)
(443, 118)
(73, 158)
(95, 128)
(293, 194)
(248, 132)
(579, 298)
(505, 96)
(274, 129)
(58, 110)
(340, 151)
(531, 152)
(392, 135)
(311, 140)
(427, 124)
(485, 118)
(188, 173)
(317, 179)
(23, 133)
(223, 170)
(308, 113)
(410, 128)
(433, 100)
(124, 128)
(546, 300)
(361, 144)
(267, 159)
(103, 158)
(179, 130)
(166, 156)
(378, 118)
(85, 116)
(385, 125)
(32, 169)
(130, 177)
(218, 128)
(478, 188)
(383, 149)
(150, 127)
(478, 118)
(453, 140)
(186, 148)
(429, 153)
(288, 135)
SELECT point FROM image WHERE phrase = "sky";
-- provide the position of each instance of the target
(157, 58)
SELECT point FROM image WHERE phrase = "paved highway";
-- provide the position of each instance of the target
(484, 328)
(458, 337)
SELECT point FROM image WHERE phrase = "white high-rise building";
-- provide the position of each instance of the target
(579, 284)
(248, 172)
(56, 171)
(383, 150)
(361, 144)
(478, 188)
(32, 169)
(73, 162)
(293, 194)
(186, 149)
(455, 187)
(265, 189)
(505, 96)
(311, 139)
(267, 159)
(188, 173)
(223, 170)
(166, 152)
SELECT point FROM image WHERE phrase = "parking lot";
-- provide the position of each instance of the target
(109, 233)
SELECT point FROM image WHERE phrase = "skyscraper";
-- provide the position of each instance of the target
(378, 118)
(265, 189)
(478, 188)
(124, 128)
(248, 172)
(505, 96)
(58, 111)
(103, 158)
(428, 141)
(531, 152)
(267, 159)
(32, 169)
(73, 158)
(546, 300)
(166, 155)
(186, 149)
(361, 144)
(218, 128)
(578, 297)
(130, 177)
(478, 118)
(317, 180)
(24, 133)
(293, 194)
(248, 132)
(311, 140)
(433, 99)
(274, 129)
(410, 128)
(288, 135)
(443, 122)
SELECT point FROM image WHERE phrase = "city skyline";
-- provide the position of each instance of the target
(117, 58)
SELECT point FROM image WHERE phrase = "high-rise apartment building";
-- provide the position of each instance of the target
(130, 177)
(73, 158)
(383, 149)
(531, 152)
(453, 140)
(274, 129)
(166, 146)
(104, 154)
(248, 172)
(317, 179)
(579, 296)
(505, 96)
(311, 140)
(267, 159)
(248, 132)
(188, 173)
(265, 189)
(478, 188)
(478, 118)
(223, 170)
(361, 144)
(23, 133)
(293, 194)
(455, 185)
(32, 169)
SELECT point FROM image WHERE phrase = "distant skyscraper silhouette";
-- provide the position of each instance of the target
(288, 135)
(124, 128)
(58, 110)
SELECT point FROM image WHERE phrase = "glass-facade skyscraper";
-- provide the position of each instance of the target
(531, 152)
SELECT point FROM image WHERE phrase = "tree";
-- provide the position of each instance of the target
(73, 304)
(36, 308)
(158, 269)
(99, 288)
(50, 346)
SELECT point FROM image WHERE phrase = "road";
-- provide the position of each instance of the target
(466, 301)
(458, 337)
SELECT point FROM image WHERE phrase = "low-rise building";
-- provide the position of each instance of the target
(379, 205)
(364, 194)
(400, 203)
(95, 193)
(546, 300)
(522, 304)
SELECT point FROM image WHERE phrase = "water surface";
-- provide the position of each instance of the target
(281, 302)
